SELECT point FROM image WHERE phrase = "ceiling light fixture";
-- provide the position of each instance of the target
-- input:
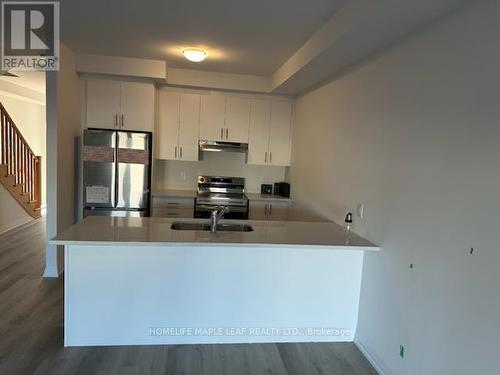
(194, 55)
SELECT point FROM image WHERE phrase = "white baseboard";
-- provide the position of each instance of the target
(371, 359)
(15, 225)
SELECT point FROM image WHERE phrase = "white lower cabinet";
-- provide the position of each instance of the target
(173, 207)
(268, 210)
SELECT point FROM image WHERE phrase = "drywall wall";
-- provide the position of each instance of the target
(63, 130)
(29, 118)
(11, 213)
(414, 135)
(183, 174)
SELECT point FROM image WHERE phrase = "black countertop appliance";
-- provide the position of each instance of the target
(282, 189)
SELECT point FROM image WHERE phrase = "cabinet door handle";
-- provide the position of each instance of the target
(175, 152)
(180, 153)
(222, 133)
(270, 157)
(265, 210)
(265, 157)
(227, 134)
(123, 122)
(270, 209)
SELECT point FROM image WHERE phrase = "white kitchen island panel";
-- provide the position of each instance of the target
(146, 295)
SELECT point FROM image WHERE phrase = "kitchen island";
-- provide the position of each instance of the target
(137, 281)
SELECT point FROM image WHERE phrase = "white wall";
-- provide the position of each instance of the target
(415, 136)
(12, 214)
(63, 128)
(170, 174)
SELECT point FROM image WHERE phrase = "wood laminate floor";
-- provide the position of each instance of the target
(31, 334)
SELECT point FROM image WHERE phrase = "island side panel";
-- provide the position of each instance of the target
(141, 295)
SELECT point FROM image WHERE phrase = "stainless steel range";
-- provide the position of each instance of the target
(214, 192)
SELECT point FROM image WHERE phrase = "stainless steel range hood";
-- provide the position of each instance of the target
(216, 146)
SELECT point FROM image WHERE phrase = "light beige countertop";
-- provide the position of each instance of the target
(173, 193)
(98, 230)
(267, 197)
(176, 193)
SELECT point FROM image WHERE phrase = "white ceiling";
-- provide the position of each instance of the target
(241, 36)
(31, 80)
(294, 44)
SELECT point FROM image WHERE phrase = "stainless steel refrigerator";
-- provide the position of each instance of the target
(116, 173)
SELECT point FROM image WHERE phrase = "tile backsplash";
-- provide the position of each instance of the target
(172, 174)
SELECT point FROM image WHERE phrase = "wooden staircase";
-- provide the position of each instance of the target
(20, 168)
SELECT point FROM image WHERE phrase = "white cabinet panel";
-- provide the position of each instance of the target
(273, 210)
(190, 109)
(212, 113)
(189, 128)
(103, 104)
(178, 126)
(279, 139)
(270, 133)
(257, 210)
(137, 106)
(277, 211)
(120, 105)
(237, 119)
(173, 207)
(258, 140)
(168, 129)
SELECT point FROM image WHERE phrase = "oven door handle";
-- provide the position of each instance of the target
(204, 207)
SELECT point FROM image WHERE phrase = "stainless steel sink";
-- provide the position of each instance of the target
(206, 227)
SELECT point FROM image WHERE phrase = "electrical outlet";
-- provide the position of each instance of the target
(361, 210)
(401, 351)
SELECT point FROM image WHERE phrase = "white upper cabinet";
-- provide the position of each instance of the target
(258, 137)
(237, 119)
(137, 106)
(279, 138)
(178, 126)
(190, 109)
(185, 118)
(270, 133)
(120, 105)
(212, 114)
(189, 127)
(168, 129)
(103, 104)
